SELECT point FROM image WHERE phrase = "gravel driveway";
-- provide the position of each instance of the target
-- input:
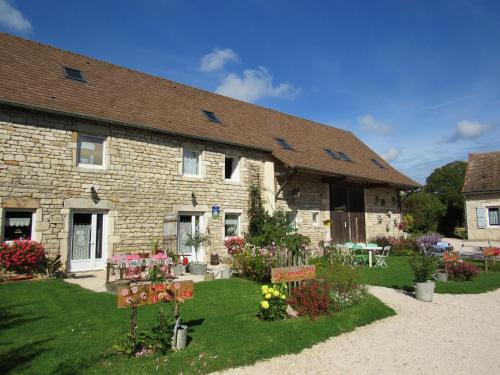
(455, 334)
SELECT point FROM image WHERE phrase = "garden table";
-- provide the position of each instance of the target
(370, 250)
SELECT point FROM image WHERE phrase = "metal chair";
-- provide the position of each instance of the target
(346, 254)
(360, 256)
(380, 259)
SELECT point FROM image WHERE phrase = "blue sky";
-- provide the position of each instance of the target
(418, 81)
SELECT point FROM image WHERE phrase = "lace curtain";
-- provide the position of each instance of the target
(190, 163)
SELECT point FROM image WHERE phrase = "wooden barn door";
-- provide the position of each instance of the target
(347, 207)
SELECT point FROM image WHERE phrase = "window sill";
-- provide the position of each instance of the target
(192, 178)
(232, 182)
(79, 168)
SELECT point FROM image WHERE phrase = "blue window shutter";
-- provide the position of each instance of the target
(481, 217)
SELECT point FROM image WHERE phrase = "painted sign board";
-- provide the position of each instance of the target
(297, 273)
(215, 212)
(150, 294)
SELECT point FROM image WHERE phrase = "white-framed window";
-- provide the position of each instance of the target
(90, 151)
(291, 218)
(191, 163)
(494, 216)
(232, 168)
(315, 218)
(231, 225)
(18, 225)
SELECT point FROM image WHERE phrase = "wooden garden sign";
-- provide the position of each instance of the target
(297, 273)
(138, 295)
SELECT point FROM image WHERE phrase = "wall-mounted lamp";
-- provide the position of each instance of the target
(94, 195)
(193, 199)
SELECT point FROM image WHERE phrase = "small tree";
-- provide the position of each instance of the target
(197, 240)
(257, 215)
(426, 209)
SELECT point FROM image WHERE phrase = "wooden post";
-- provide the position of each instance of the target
(108, 268)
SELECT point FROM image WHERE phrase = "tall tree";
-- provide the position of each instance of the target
(426, 209)
(446, 183)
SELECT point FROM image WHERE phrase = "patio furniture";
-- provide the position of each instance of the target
(346, 254)
(360, 257)
(380, 259)
(364, 248)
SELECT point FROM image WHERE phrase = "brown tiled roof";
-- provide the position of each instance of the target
(31, 74)
(483, 173)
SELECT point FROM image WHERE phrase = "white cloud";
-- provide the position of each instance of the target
(13, 19)
(368, 123)
(392, 153)
(255, 84)
(470, 130)
(216, 59)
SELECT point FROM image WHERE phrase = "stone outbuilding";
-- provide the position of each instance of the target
(97, 159)
(482, 196)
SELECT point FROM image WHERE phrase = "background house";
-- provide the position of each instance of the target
(98, 159)
(482, 196)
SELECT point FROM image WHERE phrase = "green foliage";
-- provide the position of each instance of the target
(257, 215)
(53, 327)
(273, 230)
(296, 243)
(255, 263)
(159, 336)
(423, 267)
(52, 267)
(446, 183)
(197, 240)
(426, 209)
(273, 305)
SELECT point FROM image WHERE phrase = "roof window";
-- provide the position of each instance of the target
(377, 163)
(332, 154)
(73, 74)
(212, 117)
(343, 156)
(283, 143)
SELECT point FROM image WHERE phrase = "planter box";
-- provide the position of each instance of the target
(424, 291)
(197, 268)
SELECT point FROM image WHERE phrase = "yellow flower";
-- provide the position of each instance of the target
(283, 297)
(264, 288)
(268, 296)
(276, 293)
(270, 290)
(264, 304)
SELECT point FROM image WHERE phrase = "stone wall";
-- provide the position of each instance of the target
(141, 185)
(472, 202)
(379, 204)
(305, 194)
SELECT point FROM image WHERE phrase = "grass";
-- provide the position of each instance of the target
(59, 328)
(399, 275)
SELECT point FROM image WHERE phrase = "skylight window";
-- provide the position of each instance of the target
(212, 117)
(283, 143)
(377, 163)
(73, 74)
(332, 154)
(343, 156)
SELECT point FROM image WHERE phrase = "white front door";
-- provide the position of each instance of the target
(88, 241)
(189, 224)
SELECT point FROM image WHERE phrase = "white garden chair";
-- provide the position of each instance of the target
(380, 259)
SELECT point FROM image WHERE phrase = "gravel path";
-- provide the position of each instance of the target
(455, 334)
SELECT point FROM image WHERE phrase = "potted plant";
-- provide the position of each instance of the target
(197, 240)
(424, 267)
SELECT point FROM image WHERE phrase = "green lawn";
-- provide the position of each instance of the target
(59, 328)
(399, 275)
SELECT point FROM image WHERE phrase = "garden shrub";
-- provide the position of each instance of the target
(425, 242)
(423, 267)
(312, 298)
(273, 305)
(399, 246)
(345, 281)
(255, 263)
(463, 271)
(22, 256)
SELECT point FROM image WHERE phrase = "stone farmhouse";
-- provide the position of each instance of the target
(96, 159)
(482, 196)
